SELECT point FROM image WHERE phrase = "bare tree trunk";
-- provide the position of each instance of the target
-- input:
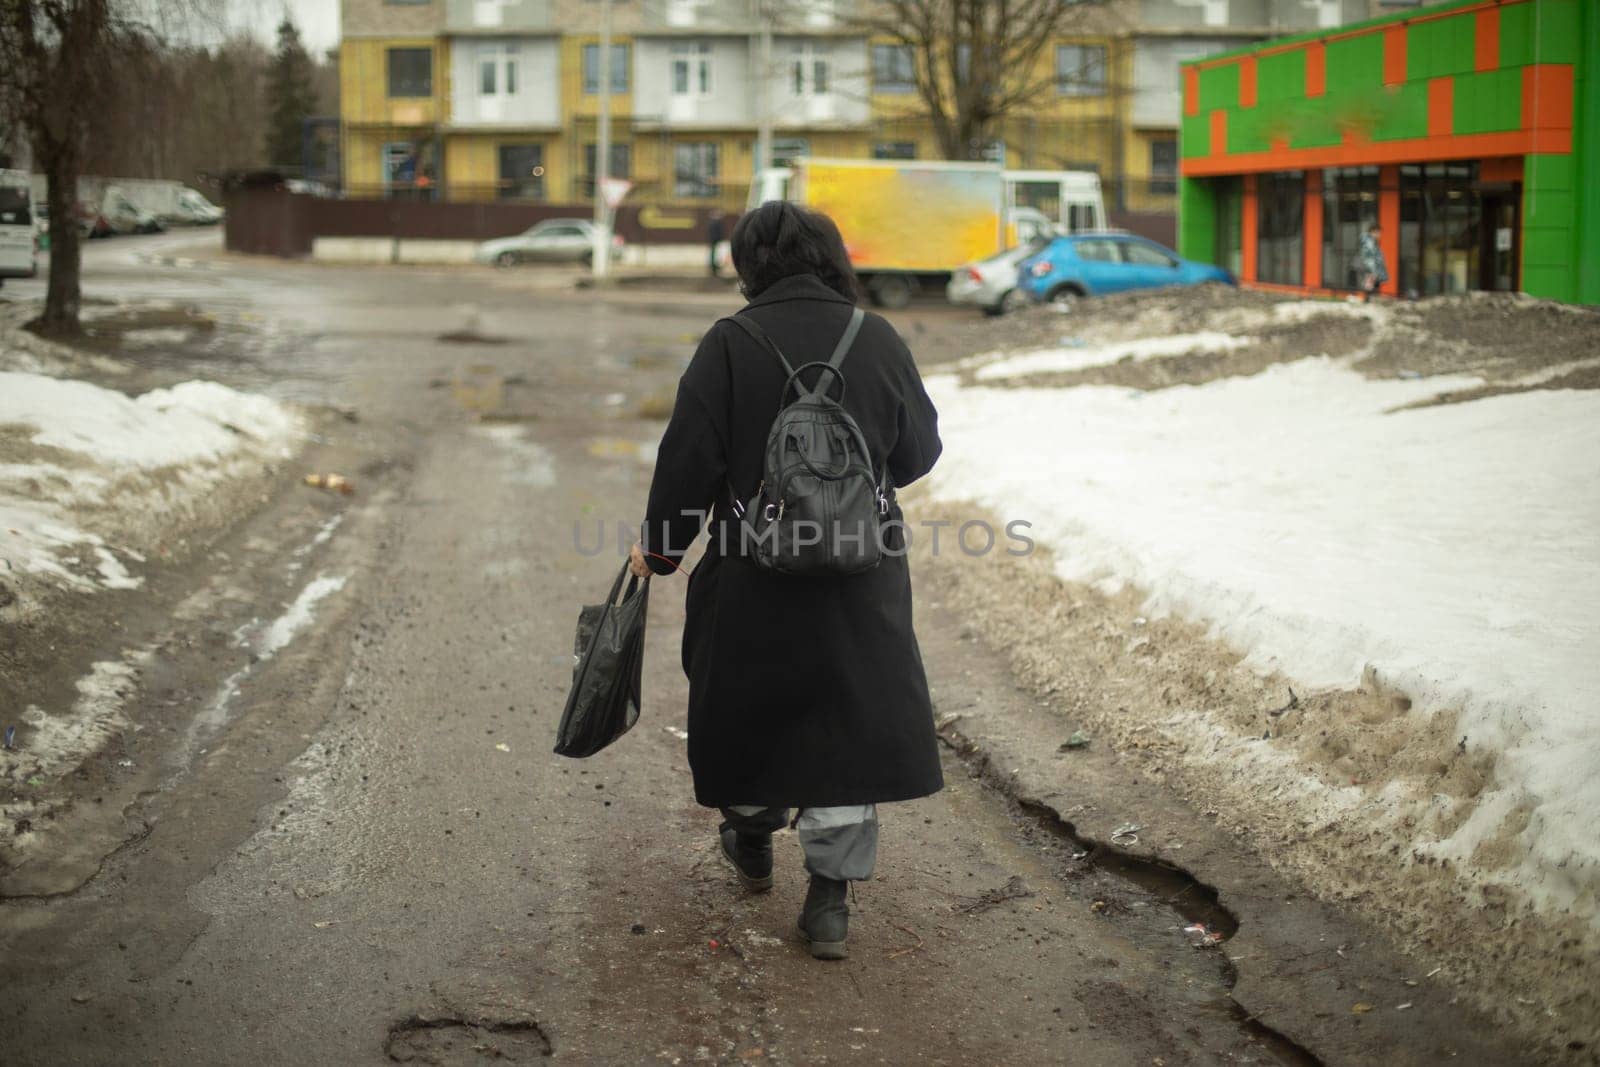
(65, 294)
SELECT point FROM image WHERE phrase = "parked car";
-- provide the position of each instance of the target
(551, 241)
(1092, 264)
(991, 284)
(194, 209)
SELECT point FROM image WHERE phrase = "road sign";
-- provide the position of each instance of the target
(612, 191)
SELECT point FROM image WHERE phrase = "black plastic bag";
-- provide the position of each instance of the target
(604, 701)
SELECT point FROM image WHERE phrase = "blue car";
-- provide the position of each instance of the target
(1092, 264)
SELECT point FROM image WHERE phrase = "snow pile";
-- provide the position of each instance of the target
(1055, 360)
(1453, 549)
(87, 474)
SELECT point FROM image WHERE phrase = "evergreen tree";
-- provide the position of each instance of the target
(291, 96)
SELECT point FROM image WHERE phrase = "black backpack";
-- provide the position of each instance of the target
(819, 508)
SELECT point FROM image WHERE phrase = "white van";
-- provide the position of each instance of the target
(1071, 198)
(17, 233)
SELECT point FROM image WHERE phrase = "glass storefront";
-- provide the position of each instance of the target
(1349, 206)
(1280, 227)
(1440, 239)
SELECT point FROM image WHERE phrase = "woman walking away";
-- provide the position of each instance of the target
(1374, 271)
(806, 690)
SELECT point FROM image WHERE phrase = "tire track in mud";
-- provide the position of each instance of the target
(1191, 899)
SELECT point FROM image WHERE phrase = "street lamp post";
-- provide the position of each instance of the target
(601, 259)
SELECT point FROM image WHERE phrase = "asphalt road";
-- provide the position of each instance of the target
(362, 850)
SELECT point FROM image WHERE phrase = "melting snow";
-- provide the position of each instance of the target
(1453, 548)
(93, 461)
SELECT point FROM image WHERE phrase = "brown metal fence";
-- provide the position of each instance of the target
(278, 223)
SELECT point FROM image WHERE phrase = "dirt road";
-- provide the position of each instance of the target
(359, 850)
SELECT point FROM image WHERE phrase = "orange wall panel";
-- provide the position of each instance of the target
(1247, 81)
(1311, 267)
(1502, 169)
(1219, 133)
(1394, 55)
(1316, 69)
(1191, 91)
(1389, 223)
(1547, 97)
(1486, 40)
(1247, 230)
(1441, 106)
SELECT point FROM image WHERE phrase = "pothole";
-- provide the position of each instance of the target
(449, 1040)
(1173, 887)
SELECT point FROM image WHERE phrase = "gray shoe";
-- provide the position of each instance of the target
(751, 856)
(825, 919)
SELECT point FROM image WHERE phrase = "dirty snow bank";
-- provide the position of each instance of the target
(1451, 549)
(1079, 355)
(92, 480)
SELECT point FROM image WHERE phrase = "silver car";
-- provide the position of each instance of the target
(550, 241)
(992, 283)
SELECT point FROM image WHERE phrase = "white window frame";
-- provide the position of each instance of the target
(897, 88)
(621, 63)
(1074, 83)
(692, 58)
(502, 63)
(708, 181)
(808, 59)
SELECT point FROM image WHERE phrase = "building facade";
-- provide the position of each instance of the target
(486, 99)
(1164, 34)
(1467, 131)
(494, 99)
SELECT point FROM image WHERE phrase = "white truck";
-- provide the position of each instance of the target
(136, 205)
(18, 233)
(908, 224)
(171, 202)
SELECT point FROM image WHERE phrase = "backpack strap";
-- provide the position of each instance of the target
(753, 328)
(842, 349)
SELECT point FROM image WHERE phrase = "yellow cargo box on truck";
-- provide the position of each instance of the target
(907, 224)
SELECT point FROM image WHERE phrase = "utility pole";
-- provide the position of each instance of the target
(601, 260)
(763, 156)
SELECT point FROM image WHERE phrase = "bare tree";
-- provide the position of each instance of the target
(62, 61)
(974, 62)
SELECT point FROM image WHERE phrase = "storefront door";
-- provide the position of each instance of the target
(1499, 255)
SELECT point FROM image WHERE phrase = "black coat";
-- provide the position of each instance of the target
(804, 692)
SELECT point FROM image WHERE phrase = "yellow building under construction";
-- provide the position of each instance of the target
(499, 99)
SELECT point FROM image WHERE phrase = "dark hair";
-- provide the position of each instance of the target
(780, 239)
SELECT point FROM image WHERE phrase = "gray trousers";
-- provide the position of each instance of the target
(839, 843)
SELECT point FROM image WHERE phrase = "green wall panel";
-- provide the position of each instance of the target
(1552, 283)
(1490, 102)
(1558, 29)
(1194, 136)
(1404, 113)
(1586, 160)
(1246, 131)
(1355, 62)
(1551, 171)
(1549, 233)
(1281, 78)
(1219, 87)
(1315, 124)
(1442, 46)
(1197, 219)
(1516, 35)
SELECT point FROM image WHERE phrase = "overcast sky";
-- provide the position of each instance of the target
(318, 20)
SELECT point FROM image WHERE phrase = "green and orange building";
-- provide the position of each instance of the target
(1469, 131)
